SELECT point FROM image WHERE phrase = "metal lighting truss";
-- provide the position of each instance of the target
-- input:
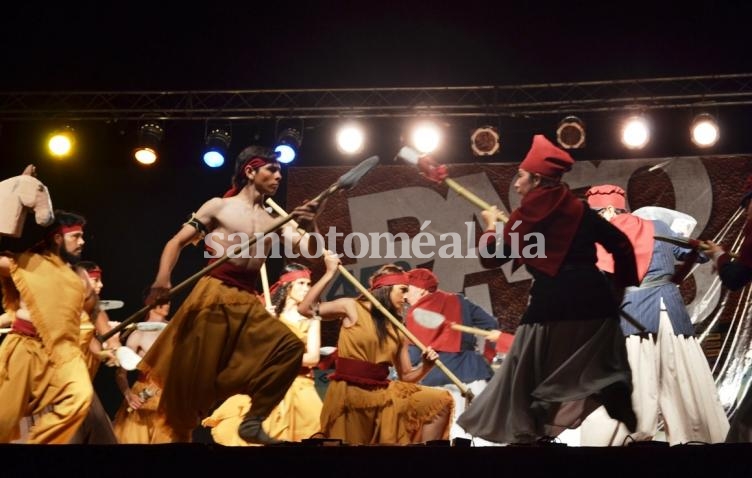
(445, 101)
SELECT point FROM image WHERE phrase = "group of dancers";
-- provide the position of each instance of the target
(605, 345)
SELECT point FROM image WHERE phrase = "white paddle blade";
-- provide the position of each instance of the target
(128, 359)
(409, 154)
(428, 318)
(151, 326)
(111, 304)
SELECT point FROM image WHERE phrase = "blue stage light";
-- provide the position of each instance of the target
(214, 159)
(288, 144)
(217, 142)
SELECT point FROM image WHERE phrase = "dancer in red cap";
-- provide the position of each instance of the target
(670, 372)
(430, 319)
(568, 355)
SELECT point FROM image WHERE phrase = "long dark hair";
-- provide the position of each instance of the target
(383, 325)
(280, 295)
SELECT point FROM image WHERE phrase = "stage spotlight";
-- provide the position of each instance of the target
(350, 139)
(704, 130)
(485, 141)
(288, 144)
(60, 142)
(570, 133)
(217, 142)
(149, 137)
(426, 137)
(635, 132)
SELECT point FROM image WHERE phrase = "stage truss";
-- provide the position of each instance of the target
(690, 92)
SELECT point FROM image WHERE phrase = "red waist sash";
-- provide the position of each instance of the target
(235, 276)
(24, 327)
(361, 373)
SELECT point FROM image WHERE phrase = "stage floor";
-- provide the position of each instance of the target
(440, 459)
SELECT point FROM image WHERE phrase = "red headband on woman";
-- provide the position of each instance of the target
(95, 273)
(389, 279)
(294, 275)
(288, 277)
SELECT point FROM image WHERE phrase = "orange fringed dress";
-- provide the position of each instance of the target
(391, 415)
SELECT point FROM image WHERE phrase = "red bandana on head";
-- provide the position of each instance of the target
(66, 229)
(254, 162)
(389, 279)
(288, 277)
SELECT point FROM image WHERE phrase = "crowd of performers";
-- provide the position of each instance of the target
(605, 345)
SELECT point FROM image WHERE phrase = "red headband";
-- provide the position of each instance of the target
(293, 275)
(389, 279)
(254, 162)
(95, 273)
(66, 229)
(288, 277)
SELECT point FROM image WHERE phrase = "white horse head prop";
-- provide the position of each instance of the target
(18, 195)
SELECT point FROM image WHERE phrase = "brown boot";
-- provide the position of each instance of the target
(250, 430)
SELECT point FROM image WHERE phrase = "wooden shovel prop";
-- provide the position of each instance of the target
(502, 344)
(466, 392)
(438, 174)
(345, 182)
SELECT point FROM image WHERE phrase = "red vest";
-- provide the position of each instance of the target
(431, 318)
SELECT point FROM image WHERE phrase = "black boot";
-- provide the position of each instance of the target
(618, 402)
(251, 431)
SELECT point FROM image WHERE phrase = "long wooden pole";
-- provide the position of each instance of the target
(466, 392)
(265, 285)
(472, 330)
(465, 193)
(190, 280)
